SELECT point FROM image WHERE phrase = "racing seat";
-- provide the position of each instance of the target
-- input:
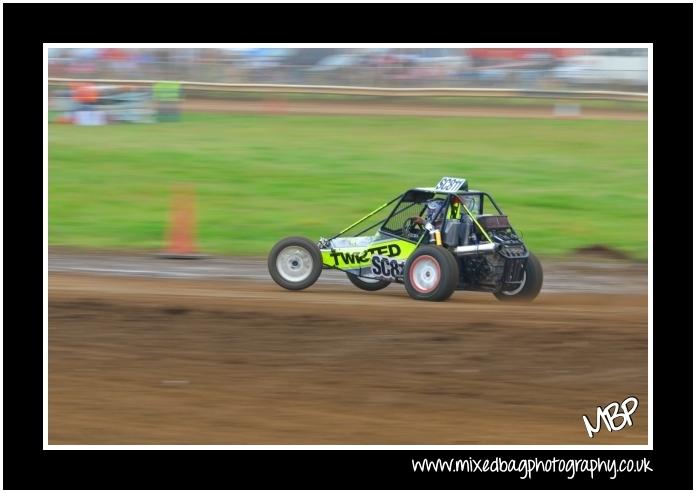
(456, 232)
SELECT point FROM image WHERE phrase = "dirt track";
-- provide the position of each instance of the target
(577, 274)
(175, 361)
(280, 106)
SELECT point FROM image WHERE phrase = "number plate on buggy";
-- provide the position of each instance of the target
(448, 184)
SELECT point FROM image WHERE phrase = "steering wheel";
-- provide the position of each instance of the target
(413, 227)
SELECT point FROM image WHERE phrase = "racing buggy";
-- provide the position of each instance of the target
(433, 241)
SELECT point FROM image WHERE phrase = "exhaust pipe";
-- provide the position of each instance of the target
(475, 249)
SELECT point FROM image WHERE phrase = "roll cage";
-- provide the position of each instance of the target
(413, 203)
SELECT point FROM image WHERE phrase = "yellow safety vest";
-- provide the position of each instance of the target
(455, 210)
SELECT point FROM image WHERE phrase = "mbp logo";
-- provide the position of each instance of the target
(610, 414)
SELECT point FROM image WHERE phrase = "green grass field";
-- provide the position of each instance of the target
(564, 183)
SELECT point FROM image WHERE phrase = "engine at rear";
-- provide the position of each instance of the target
(498, 270)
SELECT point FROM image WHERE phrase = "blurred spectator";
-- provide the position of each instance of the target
(85, 95)
(86, 111)
(167, 97)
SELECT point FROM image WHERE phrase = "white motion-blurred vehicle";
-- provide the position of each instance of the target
(615, 70)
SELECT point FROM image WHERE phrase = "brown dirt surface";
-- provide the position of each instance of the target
(280, 107)
(601, 251)
(180, 361)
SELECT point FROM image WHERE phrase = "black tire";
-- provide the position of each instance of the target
(439, 274)
(367, 285)
(295, 263)
(533, 280)
(456, 264)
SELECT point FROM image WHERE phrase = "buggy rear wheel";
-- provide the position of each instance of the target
(431, 274)
(295, 263)
(366, 283)
(532, 280)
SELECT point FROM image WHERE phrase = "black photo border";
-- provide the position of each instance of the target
(27, 26)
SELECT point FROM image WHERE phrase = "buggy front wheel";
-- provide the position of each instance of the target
(295, 263)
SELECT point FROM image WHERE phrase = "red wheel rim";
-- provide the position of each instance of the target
(425, 274)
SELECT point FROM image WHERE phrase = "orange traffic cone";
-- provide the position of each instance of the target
(181, 235)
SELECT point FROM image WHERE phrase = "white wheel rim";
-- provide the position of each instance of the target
(294, 263)
(519, 288)
(425, 274)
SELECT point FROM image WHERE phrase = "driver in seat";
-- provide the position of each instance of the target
(434, 212)
(458, 207)
(433, 216)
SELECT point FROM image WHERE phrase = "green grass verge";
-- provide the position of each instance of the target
(564, 183)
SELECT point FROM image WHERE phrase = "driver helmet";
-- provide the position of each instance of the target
(433, 207)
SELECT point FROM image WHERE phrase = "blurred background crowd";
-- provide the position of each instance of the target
(518, 68)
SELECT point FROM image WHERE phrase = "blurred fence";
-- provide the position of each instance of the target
(376, 91)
